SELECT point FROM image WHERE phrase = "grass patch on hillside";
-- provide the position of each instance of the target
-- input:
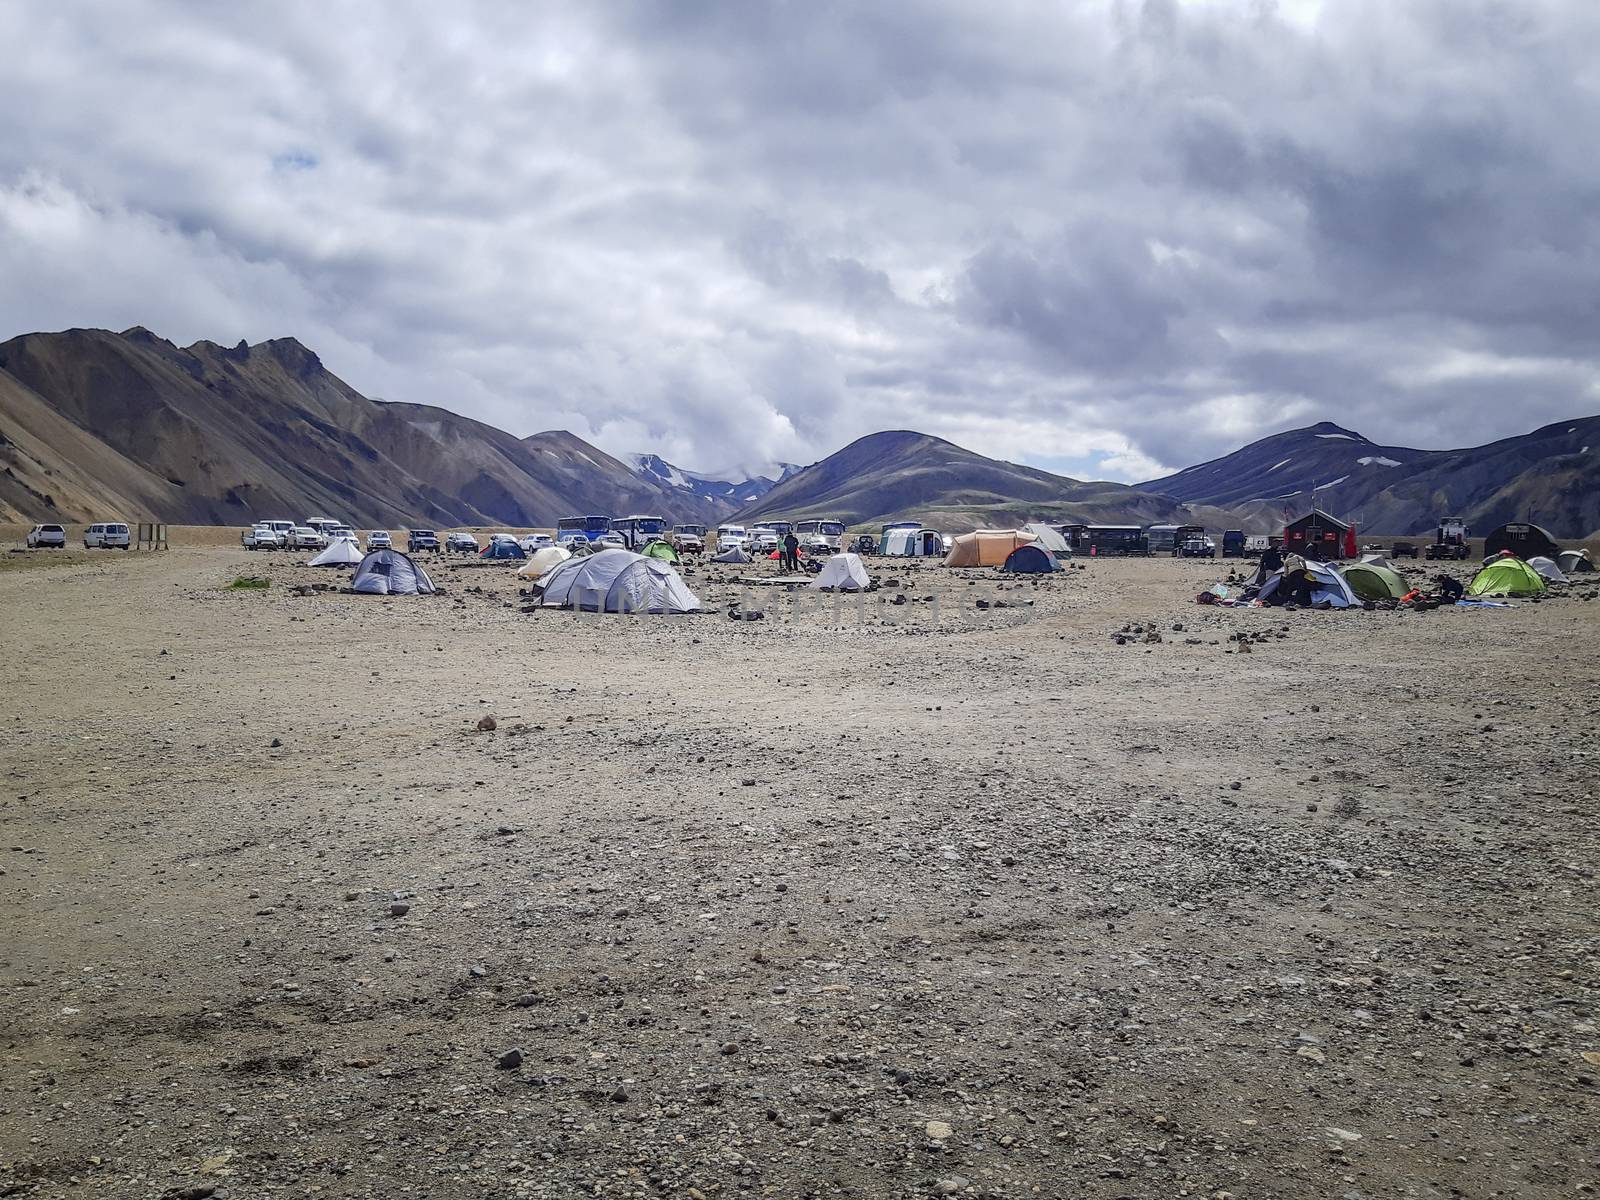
(249, 583)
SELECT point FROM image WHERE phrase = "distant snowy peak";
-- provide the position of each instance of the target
(735, 493)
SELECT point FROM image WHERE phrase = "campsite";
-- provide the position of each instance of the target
(969, 883)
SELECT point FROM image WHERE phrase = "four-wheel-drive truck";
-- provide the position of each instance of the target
(1451, 540)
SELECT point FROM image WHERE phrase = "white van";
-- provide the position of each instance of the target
(106, 535)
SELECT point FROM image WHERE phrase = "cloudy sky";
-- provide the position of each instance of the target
(1108, 238)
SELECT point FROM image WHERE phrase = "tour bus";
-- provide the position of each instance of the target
(637, 531)
(586, 529)
(1116, 540)
(781, 528)
(819, 535)
(1169, 539)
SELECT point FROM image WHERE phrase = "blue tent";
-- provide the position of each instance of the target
(498, 548)
(1030, 560)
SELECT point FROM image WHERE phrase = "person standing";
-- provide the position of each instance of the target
(791, 552)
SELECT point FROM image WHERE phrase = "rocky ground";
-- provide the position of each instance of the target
(876, 900)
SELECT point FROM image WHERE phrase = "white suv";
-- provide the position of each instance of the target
(281, 531)
(52, 536)
(106, 535)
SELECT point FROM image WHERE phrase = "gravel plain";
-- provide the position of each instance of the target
(860, 899)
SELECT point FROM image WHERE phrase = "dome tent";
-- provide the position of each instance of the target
(502, 548)
(1573, 562)
(1506, 576)
(1031, 559)
(616, 581)
(660, 550)
(1048, 537)
(733, 554)
(1548, 571)
(340, 553)
(1375, 580)
(843, 573)
(391, 573)
(543, 559)
(1325, 586)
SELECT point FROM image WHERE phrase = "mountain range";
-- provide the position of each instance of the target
(96, 424)
(1550, 477)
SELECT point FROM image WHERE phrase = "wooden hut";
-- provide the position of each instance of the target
(1317, 535)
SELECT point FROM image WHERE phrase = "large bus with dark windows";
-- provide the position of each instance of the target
(586, 529)
(1169, 539)
(1116, 540)
(637, 532)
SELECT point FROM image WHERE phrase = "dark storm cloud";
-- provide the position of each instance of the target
(1126, 235)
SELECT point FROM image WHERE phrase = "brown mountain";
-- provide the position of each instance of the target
(902, 475)
(100, 424)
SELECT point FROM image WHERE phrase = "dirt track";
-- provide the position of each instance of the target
(989, 906)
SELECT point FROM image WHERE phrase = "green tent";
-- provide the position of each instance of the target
(1506, 577)
(661, 550)
(1374, 581)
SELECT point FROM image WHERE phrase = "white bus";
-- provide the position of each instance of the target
(819, 535)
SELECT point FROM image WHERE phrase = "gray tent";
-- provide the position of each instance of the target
(731, 555)
(1548, 570)
(1573, 562)
(1048, 538)
(391, 573)
(616, 581)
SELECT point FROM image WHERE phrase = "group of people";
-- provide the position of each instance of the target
(791, 552)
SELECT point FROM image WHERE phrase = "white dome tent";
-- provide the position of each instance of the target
(340, 553)
(843, 573)
(545, 559)
(616, 581)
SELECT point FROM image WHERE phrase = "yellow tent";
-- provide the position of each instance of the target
(985, 547)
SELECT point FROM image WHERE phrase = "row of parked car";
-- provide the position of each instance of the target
(318, 533)
(102, 535)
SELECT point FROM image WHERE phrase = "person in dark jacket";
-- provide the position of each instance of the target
(791, 552)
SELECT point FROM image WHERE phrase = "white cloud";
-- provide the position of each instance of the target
(1132, 234)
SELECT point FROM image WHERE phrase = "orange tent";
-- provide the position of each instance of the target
(985, 547)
